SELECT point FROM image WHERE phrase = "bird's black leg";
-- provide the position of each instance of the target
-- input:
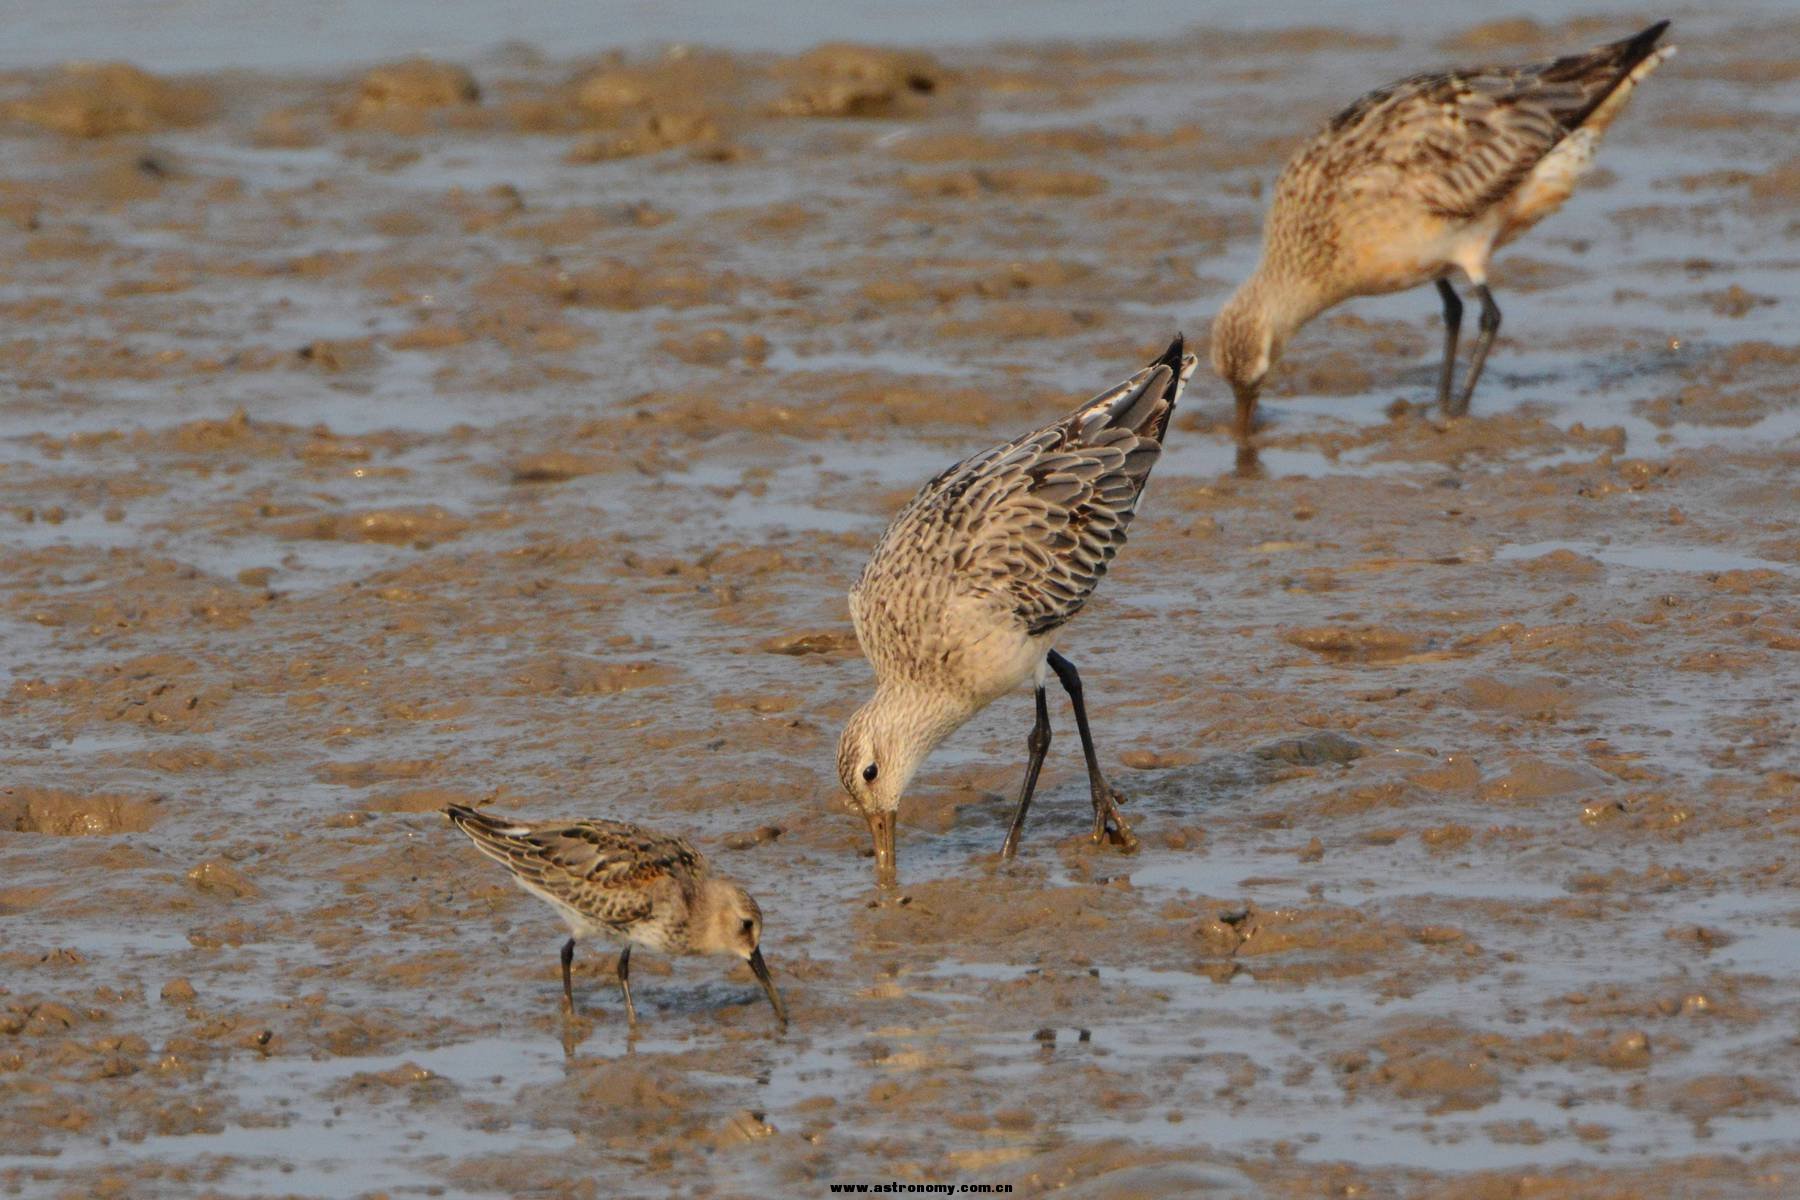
(568, 957)
(1489, 325)
(1038, 744)
(625, 985)
(1109, 823)
(1453, 310)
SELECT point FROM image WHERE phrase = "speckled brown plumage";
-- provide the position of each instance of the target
(627, 884)
(1418, 179)
(962, 597)
(604, 876)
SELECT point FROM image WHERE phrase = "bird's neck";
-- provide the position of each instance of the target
(913, 721)
(1280, 298)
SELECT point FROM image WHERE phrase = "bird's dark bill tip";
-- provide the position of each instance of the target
(761, 970)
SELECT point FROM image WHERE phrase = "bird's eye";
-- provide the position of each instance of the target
(870, 772)
(749, 926)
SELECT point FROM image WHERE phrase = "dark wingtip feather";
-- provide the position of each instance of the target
(470, 820)
(1619, 59)
(1639, 46)
(1172, 359)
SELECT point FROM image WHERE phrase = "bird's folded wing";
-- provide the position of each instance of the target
(1030, 524)
(1462, 140)
(606, 855)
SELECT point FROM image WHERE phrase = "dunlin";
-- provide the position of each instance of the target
(965, 595)
(1416, 180)
(626, 884)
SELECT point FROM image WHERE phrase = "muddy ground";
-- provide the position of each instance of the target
(509, 431)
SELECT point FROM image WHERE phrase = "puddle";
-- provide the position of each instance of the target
(299, 1143)
(1705, 559)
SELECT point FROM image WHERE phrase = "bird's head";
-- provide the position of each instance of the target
(882, 745)
(1244, 345)
(731, 922)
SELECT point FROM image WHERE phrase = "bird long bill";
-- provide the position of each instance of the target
(761, 969)
(881, 828)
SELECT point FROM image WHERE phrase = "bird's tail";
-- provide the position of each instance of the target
(1611, 71)
(1145, 402)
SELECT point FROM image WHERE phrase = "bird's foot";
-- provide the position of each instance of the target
(1110, 826)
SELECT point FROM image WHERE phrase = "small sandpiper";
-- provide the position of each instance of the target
(1418, 179)
(626, 884)
(963, 598)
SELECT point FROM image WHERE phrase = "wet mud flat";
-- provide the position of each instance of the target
(508, 432)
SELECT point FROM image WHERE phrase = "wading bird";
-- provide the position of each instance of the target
(628, 885)
(1418, 179)
(964, 597)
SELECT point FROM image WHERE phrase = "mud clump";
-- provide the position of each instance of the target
(1532, 778)
(20, 210)
(680, 82)
(159, 691)
(92, 100)
(72, 814)
(715, 348)
(404, 90)
(843, 80)
(224, 880)
(1034, 182)
(573, 675)
(1779, 184)
(684, 100)
(1347, 644)
(352, 354)
(1444, 1084)
(1565, 564)
(953, 916)
(1535, 698)
(625, 287)
(1325, 746)
(556, 466)
(815, 641)
(654, 134)
(394, 526)
(1302, 945)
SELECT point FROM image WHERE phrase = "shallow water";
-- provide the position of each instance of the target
(547, 560)
(214, 34)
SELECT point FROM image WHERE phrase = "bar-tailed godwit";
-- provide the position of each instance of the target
(1418, 179)
(965, 595)
(626, 884)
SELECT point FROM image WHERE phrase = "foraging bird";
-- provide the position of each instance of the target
(965, 595)
(1426, 176)
(625, 883)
